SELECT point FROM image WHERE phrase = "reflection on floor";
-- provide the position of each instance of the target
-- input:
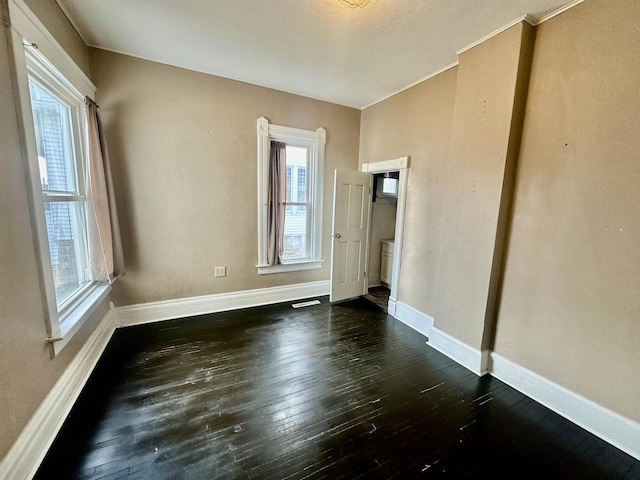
(339, 392)
(380, 296)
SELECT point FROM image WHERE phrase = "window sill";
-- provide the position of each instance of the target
(73, 319)
(289, 267)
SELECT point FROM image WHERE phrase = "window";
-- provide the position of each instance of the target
(53, 114)
(296, 220)
(303, 206)
(62, 192)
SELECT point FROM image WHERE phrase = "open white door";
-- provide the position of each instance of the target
(351, 203)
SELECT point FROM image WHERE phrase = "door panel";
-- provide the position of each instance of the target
(351, 203)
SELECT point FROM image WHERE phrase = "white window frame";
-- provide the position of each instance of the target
(51, 66)
(315, 142)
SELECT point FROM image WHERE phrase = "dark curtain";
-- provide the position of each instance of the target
(276, 199)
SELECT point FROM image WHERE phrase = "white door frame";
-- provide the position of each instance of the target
(400, 164)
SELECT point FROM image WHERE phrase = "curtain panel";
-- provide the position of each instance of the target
(105, 245)
(276, 199)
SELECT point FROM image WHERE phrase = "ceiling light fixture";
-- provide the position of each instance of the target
(355, 3)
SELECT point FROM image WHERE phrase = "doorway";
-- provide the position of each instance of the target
(384, 201)
(351, 231)
(384, 243)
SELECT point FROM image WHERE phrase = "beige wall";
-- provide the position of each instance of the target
(54, 19)
(183, 149)
(27, 372)
(417, 123)
(570, 307)
(383, 227)
(486, 94)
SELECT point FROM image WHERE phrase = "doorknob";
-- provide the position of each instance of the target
(337, 235)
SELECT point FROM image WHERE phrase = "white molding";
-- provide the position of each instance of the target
(392, 306)
(28, 451)
(315, 141)
(263, 187)
(530, 19)
(619, 431)
(34, 188)
(524, 18)
(289, 267)
(475, 360)
(188, 307)
(51, 73)
(385, 165)
(29, 26)
(402, 165)
(559, 11)
(81, 312)
(417, 82)
(399, 235)
(420, 322)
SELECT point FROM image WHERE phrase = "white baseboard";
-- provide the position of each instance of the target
(475, 360)
(29, 450)
(619, 431)
(188, 307)
(420, 322)
(392, 306)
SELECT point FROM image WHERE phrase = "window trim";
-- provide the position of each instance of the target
(51, 66)
(315, 141)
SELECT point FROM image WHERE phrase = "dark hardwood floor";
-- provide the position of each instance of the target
(379, 296)
(329, 391)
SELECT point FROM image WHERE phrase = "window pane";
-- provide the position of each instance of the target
(295, 233)
(297, 159)
(52, 124)
(67, 245)
(302, 185)
(288, 185)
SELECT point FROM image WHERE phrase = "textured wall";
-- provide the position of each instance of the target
(27, 372)
(54, 19)
(183, 147)
(482, 161)
(570, 307)
(416, 123)
(383, 227)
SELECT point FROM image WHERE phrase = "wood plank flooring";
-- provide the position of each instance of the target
(379, 296)
(323, 392)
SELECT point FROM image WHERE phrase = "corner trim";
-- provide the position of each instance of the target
(392, 306)
(475, 360)
(524, 18)
(420, 322)
(29, 450)
(558, 11)
(187, 307)
(619, 431)
(417, 82)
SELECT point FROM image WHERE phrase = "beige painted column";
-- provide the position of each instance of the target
(490, 98)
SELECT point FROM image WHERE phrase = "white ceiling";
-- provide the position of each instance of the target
(322, 49)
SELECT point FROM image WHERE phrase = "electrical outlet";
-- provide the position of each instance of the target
(220, 271)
